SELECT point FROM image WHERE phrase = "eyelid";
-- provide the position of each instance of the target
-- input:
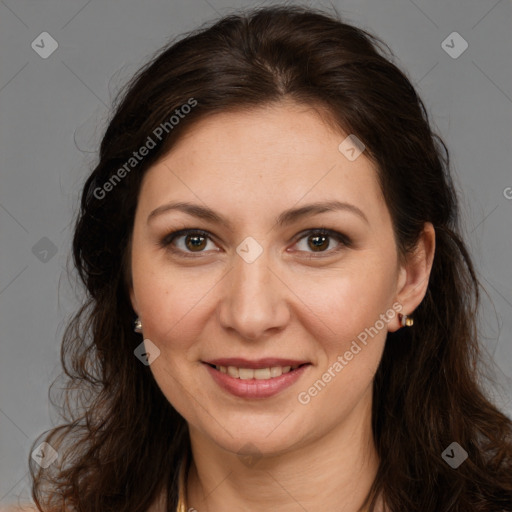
(344, 240)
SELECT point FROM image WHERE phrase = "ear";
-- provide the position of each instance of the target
(414, 275)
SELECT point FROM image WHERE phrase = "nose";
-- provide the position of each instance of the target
(254, 303)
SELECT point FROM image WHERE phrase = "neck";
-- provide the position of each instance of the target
(335, 471)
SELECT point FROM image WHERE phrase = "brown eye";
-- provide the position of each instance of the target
(195, 242)
(186, 241)
(321, 241)
(318, 242)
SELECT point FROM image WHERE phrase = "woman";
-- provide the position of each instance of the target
(281, 311)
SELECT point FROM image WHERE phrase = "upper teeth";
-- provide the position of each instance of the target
(260, 373)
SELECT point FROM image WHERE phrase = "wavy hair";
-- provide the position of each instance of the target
(121, 442)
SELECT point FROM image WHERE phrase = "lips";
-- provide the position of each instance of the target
(255, 364)
(260, 378)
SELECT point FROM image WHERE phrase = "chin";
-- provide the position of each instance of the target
(261, 439)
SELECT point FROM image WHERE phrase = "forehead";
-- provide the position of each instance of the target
(256, 160)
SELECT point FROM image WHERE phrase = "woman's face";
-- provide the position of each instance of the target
(260, 290)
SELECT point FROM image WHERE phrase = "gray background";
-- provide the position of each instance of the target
(54, 110)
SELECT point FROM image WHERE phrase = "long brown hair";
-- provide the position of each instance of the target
(122, 441)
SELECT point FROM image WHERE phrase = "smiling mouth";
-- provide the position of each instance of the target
(267, 373)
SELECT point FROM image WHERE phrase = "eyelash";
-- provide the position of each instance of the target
(344, 241)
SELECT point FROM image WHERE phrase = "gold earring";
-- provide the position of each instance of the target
(406, 321)
(137, 325)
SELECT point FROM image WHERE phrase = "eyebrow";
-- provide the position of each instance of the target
(285, 218)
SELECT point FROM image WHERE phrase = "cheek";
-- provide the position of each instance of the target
(350, 335)
(349, 331)
(347, 301)
(170, 300)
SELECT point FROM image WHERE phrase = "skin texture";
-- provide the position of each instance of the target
(249, 167)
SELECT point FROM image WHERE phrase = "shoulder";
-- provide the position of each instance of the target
(29, 507)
